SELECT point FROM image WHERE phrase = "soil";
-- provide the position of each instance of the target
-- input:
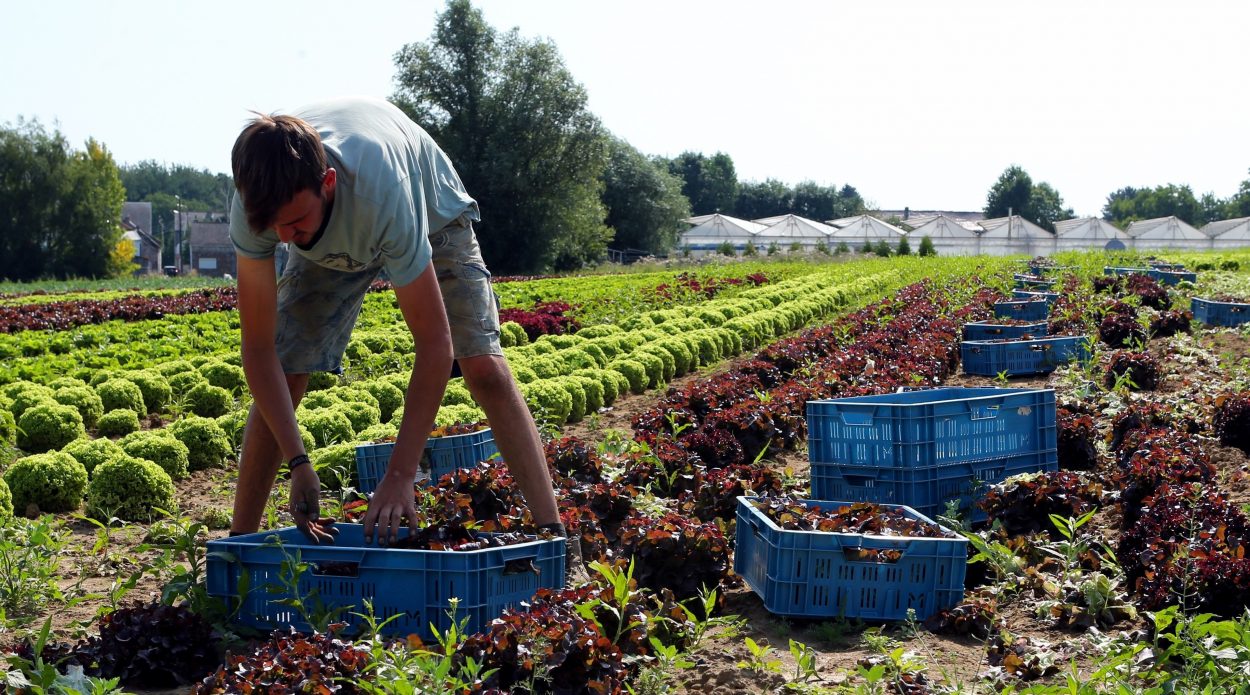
(721, 663)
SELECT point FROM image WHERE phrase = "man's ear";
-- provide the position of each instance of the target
(327, 183)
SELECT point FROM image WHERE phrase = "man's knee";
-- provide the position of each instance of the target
(486, 373)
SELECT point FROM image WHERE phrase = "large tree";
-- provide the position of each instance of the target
(1130, 204)
(644, 201)
(60, 209)
(516, 124)
(1015, 193)
(758, 199)
(710, 183)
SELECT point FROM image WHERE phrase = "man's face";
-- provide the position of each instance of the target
(297, 222)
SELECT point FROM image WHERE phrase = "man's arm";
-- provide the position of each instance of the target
(258, 312)
(421, 303)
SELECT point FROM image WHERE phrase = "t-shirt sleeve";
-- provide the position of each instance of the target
(246, 242)
(405, 242)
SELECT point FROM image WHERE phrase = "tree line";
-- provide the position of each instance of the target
(1041, 204)
(556, 189)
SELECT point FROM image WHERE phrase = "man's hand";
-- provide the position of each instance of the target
(306, 506)
(392, 505)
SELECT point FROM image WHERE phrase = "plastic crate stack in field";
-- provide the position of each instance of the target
(415, 586)
(1029, 295)
(1040, 355)
(442, 455)
(814, 574)
(1164, 277)
(1023, 310)
(988, 330)
(1215, 313)
(924, 448)
(1033, 282)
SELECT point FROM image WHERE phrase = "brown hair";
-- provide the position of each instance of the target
(274, 158)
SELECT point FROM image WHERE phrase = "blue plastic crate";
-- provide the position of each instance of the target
(931, 427)
(1021, 357)
(442, 455)
(1215, 313)
(1028, 295)
(988, 330)
(1025, 282)
(1170, 278)
(1162, 265)
(1022, 310)
(927, 489)
(1118, 270)
(818, 575)
(414, 585)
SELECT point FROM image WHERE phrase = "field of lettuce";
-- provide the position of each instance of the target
(663, 396)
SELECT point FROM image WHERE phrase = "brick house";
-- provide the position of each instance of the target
(137, 226)
(212, 253)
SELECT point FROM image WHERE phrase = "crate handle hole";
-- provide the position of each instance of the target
(984, 412)
(336, 569)
(859, 480)
(523, 565)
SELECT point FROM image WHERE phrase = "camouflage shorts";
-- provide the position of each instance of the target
(318, 307)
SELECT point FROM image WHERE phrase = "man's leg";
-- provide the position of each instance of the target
(258, 464)
(492, 386)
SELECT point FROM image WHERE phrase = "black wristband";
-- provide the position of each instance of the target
(296, 462)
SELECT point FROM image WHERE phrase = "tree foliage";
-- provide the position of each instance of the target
(1015, 193)
(1129, 204)
(60, 209)
(516, 124)
(808, 199)
(644, 201)
(710, 183)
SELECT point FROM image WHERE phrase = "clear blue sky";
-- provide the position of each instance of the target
(916, 103)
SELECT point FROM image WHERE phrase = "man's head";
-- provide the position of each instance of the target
(281, 174)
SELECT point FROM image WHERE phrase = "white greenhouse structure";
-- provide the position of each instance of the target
(788, 230)
(1005, 236)
(1228, 234)
(1166, 233)
(1089, 233)
(855, 231)
(710, 232)
(949, 236)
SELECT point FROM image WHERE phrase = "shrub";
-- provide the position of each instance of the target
(121, 393)
(387, 395)
(207, 400)
(8, 429)
(882, 248)
(173, 367)
(322, 380)
(207, 443)
(1140, 368)
(632, 370)
(162, 448)
(458, 414)
(157, 393)
(53, 482)
(335, 465)
(93, 452)
(83, 399)
(48, 426)
(6, 503)
(577, 393)
(29, 394)
(233, 423)
(117, 423)
(548, 401)
(1231, 420)
(361, 414)
(926, 246)
(131, 489)
(183, 382)
(456, 393)
(904, 248)
(226, 376)
(329, 426)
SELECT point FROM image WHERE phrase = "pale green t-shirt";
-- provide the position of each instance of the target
(394, 186)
